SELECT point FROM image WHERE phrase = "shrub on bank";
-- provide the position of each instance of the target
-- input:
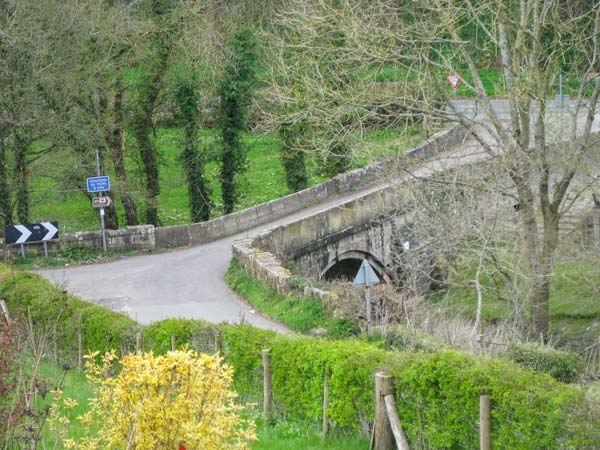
(563, 366)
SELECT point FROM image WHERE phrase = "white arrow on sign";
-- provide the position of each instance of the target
(25, 233)
(52, 230)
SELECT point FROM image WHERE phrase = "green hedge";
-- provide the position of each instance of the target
(437, 392)
(563, 366)
(62, 315)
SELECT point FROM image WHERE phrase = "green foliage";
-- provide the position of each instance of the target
(437, 393)
(200, 335)
(192, 160)
(242, 346)
(292, 156)
(563, 366)
(235, 93)
(438, 397)
(5, 206)
(61, 315)
(337, 159)
(401, 338)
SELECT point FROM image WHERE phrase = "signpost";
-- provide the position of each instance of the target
(32, 232)
(100, 184)
(366, 276)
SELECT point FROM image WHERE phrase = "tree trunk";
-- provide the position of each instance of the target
(21, 145)
(144, 128)
(540, 297)
(116, 141)
(5, 207)
(148, 155)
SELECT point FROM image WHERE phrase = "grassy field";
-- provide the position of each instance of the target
(264, 179)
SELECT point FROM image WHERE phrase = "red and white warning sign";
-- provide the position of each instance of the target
(454, 80)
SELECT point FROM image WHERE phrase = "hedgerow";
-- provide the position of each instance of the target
(437, 392)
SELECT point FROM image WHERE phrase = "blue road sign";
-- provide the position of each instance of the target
(98, 184)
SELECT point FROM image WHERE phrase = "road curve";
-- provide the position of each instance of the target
(189, 282)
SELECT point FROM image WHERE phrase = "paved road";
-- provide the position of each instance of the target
(189, 282)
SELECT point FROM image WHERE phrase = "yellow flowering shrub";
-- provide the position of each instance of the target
(179, 400)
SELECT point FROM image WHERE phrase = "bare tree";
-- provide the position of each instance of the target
(529, 45)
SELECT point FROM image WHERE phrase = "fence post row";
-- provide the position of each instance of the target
(267, 385)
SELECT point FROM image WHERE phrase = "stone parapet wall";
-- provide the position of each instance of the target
(140, 237)
(147, 237)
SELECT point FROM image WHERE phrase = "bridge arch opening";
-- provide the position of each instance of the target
(345, 267)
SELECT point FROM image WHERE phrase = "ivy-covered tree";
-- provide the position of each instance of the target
(5, 208)
(292, 156)
(150, 85)
(193, 160)
(235, 94)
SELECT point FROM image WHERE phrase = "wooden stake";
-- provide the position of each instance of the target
(79, 348)
(5, 310)
(138, 342)
(326, 403)
(173, 344)
(397, 430)
(267, 385)
(383, 430)
(485, 424)
(217, 342)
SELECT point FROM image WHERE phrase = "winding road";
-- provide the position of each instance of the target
(189, 282)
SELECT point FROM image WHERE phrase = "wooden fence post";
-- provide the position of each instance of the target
(5, 310)
(267, 385)
(382, 428)
(485, 423)
(326, 402)
(79, 347)
(173, 343)
(55, 343)
(218, 342)
(138, 342)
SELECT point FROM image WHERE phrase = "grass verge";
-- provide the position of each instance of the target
(71, 254)
(301, 314)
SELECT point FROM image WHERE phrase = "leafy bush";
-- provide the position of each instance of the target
(181, 398)
(60, 315)
(401, 338)
(563, 366)
(199, 334)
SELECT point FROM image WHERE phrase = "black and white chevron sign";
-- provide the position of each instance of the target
(31, 232)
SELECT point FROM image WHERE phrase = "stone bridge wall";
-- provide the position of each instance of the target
(147, 237)
(359, 226)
